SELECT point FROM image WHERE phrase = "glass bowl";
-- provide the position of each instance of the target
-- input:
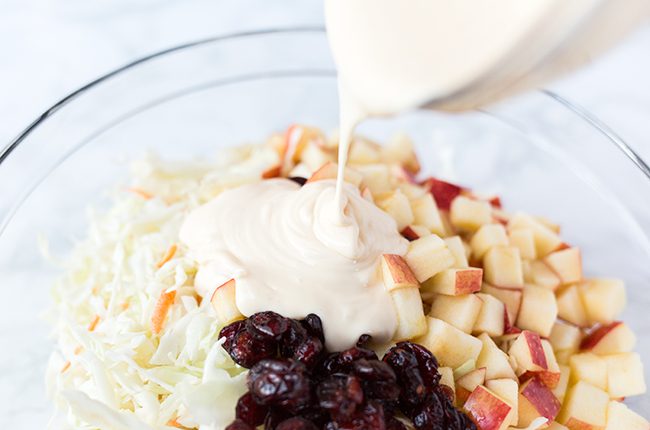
(539, 153)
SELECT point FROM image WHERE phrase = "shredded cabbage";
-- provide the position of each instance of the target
(110, 370)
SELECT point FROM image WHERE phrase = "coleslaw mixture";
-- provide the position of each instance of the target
(136, 347)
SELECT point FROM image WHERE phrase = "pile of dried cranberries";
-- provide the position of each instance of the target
(294, 383)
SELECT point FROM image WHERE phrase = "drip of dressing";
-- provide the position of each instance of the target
(291, 250)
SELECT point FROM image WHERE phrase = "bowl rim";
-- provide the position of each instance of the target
(595, 122)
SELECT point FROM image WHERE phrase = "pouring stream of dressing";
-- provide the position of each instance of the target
(316, 249)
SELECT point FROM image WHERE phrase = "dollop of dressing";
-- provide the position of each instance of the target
(290, 250)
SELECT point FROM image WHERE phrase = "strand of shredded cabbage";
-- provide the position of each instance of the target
(120, 375)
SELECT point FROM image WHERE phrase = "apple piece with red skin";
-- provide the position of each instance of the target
(454, 282)
(467, 383)
(396, 273)
(536, 400)
(584, 408)
(552, 374)
(487, 410)
(272, 172)
(224, 303)
(443, 192)
(528, 353)
(563, 383)
(508, 390)
(610, 338)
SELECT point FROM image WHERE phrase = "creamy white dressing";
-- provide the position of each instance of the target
(289, 251)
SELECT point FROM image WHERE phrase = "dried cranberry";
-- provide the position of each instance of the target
(296, 423)
(229, 332)
(314, 326)
(246, 350)
(299, 180)
(342, 361)
(340, 395)
(379, 380)
(280, 383)
(249, 411)
(239, 425)
(371, 417)
(267, 325)
(426, 361)
(405, 365)
(430, 416)
(393, 423)
(292, 338)
(273, 418)
(364, 340)
(309, 351)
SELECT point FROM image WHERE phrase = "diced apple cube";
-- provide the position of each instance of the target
(363, 151)
(411, 321)
(508, 390)
(611, 338)
(604, 299)
(502, 266)
(396, 273)
(560, 389)
(457, 248)
(301, 170)
(397, 205)
(314, 156)
(510, 297)
(224, 303)
(469, 214)
(490, 319)
(330, 171)
(620, 417)
(460, 311)
(565, 337)
(556, 426)
(624, 375)
(494, 360)
(538, 310)
(524, 240)
(400, 150)
(454, 282)
(428, 256)
(488, 409)
(412, 191)
(528, 353)
(584, 408)
(570, 307)
(451, 346)
(377, 177)
(468, 383)
(536, 400)
(541, 274)
(590, 368)
(487, 236)
(546, 240)
(426, 214)
(567, 264)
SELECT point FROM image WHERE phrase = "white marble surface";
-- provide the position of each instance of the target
(50, 47)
